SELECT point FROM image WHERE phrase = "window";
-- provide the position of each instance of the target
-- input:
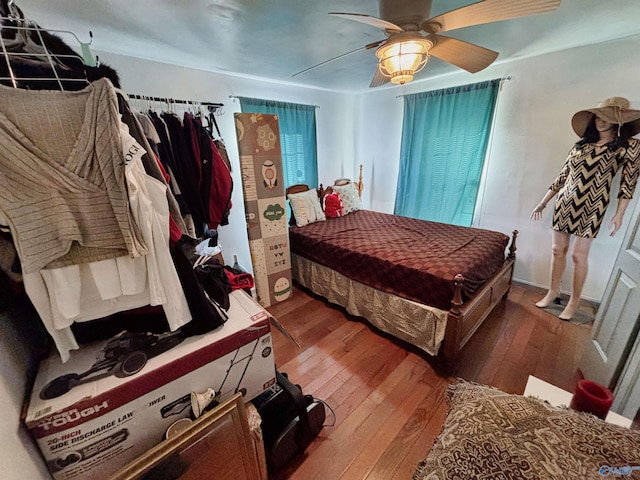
(297, 124)
(445, 134)
(293, 158)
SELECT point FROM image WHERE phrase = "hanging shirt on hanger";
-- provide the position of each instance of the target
(169, 164)
(185, 171)
(148, 138)
(216, 184)
(62, 180)
(80, 293)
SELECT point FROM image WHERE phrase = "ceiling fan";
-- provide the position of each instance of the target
(413, 36)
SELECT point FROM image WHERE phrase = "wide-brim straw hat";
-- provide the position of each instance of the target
(614, 110)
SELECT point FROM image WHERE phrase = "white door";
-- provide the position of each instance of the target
(627, 392)
(607, 358)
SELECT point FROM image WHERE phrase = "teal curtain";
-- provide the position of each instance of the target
(297, 124)
(445, 134)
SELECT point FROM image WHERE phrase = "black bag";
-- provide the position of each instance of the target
(215, 282)
(206, 288)
(290, 421)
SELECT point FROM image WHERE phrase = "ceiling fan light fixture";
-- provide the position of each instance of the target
(401, 60)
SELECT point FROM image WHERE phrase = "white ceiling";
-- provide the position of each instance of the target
(273, 39)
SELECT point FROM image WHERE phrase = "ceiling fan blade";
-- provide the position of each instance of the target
(369, 20)
(366, 47)
(379, 79)
(487, 11)
(467, 56)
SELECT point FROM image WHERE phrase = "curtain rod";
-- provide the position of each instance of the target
(282, 101)
(506, 78)
(168, 100)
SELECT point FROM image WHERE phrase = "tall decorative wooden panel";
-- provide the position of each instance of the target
(265, 205)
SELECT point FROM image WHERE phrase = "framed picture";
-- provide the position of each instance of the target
(217, 445)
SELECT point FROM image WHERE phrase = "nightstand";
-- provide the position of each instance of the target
(559, 397)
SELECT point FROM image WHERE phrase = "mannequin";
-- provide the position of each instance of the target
(583, 188)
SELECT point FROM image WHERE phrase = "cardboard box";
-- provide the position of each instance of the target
(125, 405)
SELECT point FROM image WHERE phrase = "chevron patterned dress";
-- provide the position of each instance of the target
(584, 185)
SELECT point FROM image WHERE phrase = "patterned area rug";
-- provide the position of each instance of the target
(490, 434)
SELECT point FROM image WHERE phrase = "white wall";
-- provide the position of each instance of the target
(531, 139)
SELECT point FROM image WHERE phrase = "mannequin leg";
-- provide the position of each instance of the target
(580, 257)
(559, 249)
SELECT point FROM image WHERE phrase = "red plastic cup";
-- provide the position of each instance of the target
(593, 398)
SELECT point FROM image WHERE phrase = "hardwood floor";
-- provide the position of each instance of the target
(388, 398)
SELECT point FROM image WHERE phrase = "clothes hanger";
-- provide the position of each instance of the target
(212, 120)
(204, 121)
(35, 57)
(9, 9)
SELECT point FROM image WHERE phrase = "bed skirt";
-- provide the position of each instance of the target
(412, 322)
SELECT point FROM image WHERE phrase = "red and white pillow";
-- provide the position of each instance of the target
(349, 197)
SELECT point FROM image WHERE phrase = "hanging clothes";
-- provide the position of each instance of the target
(185, 170)
(219, 142)
(147, 197)
(65, 194)
(94, 196)
(146, 136)
(168, 162)
(221, 190)
(222, 148)
(216, 185)
(89, 291)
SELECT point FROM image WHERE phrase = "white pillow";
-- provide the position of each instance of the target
(349, 196)
(306, 207)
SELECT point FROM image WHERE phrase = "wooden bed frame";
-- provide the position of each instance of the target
(463, 319)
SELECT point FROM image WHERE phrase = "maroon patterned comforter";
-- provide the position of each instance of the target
(414, 259)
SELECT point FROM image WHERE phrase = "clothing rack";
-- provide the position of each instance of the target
(213, 107)
(12, 18)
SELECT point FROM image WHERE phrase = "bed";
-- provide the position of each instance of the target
(426, 283)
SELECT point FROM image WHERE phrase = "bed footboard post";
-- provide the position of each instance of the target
(454, 321)
(512, 247)
(456, 303)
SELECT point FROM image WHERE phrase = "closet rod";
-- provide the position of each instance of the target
(236, 96)
(173, 100)
(506, 78)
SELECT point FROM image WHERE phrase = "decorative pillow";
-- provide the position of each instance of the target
(492, 434)
(349, 197)
(306, 207)
(332, 205)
